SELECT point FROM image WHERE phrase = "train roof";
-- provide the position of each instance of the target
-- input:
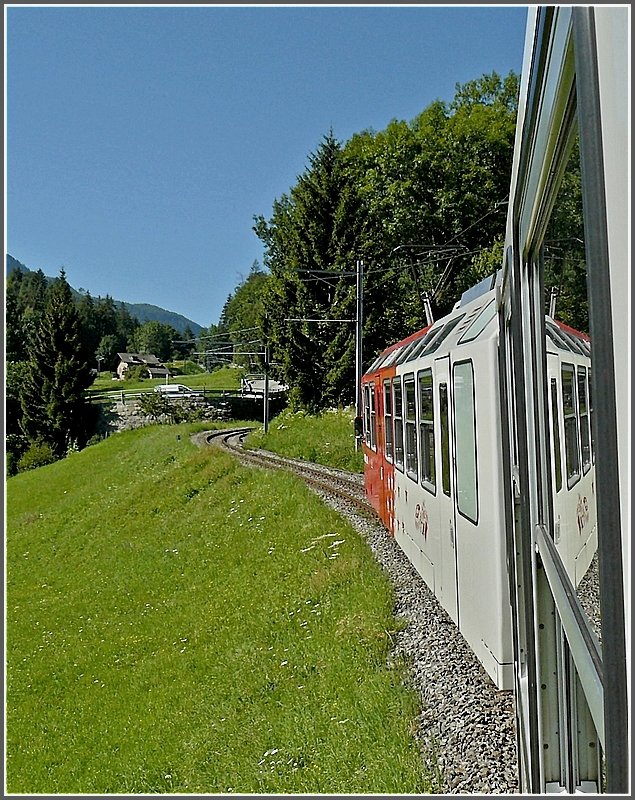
(471, 319)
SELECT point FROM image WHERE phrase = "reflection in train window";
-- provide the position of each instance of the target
(398, 412)
(411, 422)
(571, 434)
(426, 429)
(585, 434)
(388, 421)
(465, 440)
(556, 434)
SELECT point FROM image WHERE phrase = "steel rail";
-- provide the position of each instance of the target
(311, 474)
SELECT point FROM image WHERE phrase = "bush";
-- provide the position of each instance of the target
(37, 455)
(15, 445)
(154, 405)
(138, 373)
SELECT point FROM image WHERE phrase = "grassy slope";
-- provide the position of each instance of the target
(175, 623)
(226, 378)
(327, 439)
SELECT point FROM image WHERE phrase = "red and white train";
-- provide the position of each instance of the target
(434, 468)
(480, 431)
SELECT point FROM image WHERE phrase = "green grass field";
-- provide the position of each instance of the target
(227, 378)
(327, 438)
(178, 623)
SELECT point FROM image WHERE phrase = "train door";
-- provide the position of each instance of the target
(445, 499)
(555, 443)
(378, 402)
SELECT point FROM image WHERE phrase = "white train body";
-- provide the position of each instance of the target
(441, 494)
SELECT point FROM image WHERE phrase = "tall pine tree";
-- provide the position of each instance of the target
(303, 250)
(53, 396)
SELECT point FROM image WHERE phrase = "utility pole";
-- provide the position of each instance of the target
(265, 394)
(358, 342)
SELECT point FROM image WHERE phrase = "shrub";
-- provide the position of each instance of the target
(37, 455)
(154, 405)
(138, 373)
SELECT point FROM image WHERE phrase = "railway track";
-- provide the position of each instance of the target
(466, 730)
(344, 486)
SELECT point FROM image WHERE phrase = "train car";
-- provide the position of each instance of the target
(499, 457)
(572, 669)
(434, 466)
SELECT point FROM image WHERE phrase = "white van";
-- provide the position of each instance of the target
(172, 390)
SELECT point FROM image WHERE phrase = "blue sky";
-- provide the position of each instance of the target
(141, 141)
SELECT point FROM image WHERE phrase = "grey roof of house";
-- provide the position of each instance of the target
(140, 358)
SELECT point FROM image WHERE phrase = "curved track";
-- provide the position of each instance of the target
(345, 486)
(466, 727)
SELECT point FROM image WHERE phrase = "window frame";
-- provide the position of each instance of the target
(457, 455)
(425, 428)
(571, 417)
(366, 397)
(411, 455)
(389, 434)
(398, 422)
(584, 418)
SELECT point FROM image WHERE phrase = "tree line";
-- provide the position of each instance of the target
(56, 340)
(423, 204)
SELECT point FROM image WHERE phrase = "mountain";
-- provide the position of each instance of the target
(144, 312)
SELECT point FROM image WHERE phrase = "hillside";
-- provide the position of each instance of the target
(173, 628)
(144, 312)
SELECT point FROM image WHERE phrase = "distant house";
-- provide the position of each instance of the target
(155, 368)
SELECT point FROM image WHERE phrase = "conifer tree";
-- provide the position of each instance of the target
(54, 405)
(303, 241)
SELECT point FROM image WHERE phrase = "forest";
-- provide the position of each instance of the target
(422, 203)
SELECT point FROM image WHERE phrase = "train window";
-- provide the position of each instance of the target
(556, 338)
(443, 334)
(366, 414)
(373, 418)
(576, 344)
(585, 434)
(591, 417)
(420, 344)
(410, 408)
(571, 434)
(388, 421)
(555, 416)
(426, 429)
(398, 417)
(465, 440)
(404, 355)
(445, 438)
(375, 365)
(480, 323)
(392, 357)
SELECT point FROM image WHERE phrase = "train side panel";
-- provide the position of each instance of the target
(434, 466)
(573, 461)
(378, 469)
(484, 606)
